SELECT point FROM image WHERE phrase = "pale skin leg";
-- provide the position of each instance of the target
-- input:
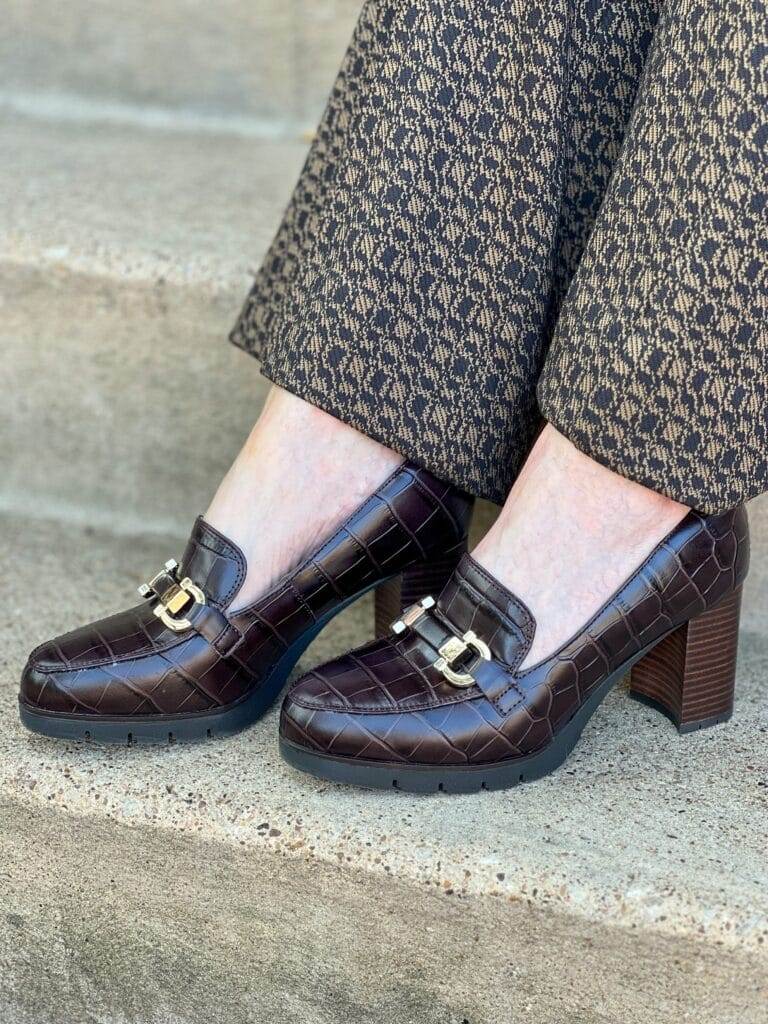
(297, 478)
(570, 533)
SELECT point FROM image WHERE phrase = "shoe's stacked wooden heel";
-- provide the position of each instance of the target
(691, 674)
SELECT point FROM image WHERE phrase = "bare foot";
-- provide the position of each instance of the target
(297, 478)
(570, 533)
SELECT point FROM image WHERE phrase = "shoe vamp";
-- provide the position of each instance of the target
(133, 633)
(382, 676)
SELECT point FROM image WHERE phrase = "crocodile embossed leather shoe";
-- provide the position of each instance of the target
(440, 704)
(181, 666)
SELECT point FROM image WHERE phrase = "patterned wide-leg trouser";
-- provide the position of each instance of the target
(518, 209)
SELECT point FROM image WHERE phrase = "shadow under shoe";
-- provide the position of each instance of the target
(181, 666)
(440, 704)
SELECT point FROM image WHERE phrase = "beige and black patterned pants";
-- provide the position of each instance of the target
(527, 208)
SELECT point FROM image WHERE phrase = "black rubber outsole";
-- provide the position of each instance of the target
(153, 729)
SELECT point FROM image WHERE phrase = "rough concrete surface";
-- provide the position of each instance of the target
(270, 61)
(121, 407)
(136, 206)
(629, 886)
(124, 259)
(106, 924)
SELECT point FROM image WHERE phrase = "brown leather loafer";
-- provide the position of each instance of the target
(440, 703)
(180, 666)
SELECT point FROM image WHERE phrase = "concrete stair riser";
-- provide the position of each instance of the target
(124, 259)
(139, 205)
(270, 63)
(124, 403)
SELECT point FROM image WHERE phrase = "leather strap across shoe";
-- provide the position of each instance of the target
(182, 666)
(441, 703)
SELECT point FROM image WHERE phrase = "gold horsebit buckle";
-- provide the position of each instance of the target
(173, 597)
(455, 647)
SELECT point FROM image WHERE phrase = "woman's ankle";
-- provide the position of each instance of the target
(298, 476)
(570, 533)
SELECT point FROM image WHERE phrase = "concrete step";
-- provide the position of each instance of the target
(124, 258)
(210, 882)
(265, 66)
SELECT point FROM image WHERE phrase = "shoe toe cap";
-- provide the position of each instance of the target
(306, 712)
(41, 681)
(81, 671)
(343, 706)
(372, 678)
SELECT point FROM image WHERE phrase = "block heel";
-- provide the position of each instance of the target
(416, 582)
(690, 675)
